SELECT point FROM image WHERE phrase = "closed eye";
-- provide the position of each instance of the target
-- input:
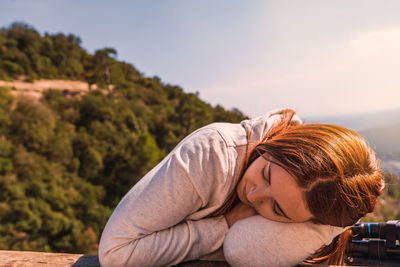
(266, 172)
(275, 209)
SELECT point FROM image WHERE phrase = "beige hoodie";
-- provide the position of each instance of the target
(163, 220)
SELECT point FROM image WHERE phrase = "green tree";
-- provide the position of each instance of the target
(102, 63)
(32, 125)
(65, 162)
(6, 100)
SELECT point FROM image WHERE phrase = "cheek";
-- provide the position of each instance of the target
(264, 210)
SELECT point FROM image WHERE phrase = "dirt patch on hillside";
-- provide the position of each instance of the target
(36, 89)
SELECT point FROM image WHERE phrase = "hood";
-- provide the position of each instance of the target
(258, 127)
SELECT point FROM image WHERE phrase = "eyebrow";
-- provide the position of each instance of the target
(275, 202)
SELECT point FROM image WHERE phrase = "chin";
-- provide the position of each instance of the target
(239, 194)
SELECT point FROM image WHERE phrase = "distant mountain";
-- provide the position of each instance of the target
(384, 139)
(361, 121)
(386, 142)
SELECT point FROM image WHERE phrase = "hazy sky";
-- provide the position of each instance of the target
(319, 57)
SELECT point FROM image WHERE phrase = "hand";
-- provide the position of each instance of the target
(240, 211)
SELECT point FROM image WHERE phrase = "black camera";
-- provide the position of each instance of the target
(375, 244)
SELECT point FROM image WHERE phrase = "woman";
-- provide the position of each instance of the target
(291, 188)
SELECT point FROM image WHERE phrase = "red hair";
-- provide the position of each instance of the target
(336, 168)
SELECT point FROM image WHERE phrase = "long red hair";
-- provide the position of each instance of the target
(336, 168)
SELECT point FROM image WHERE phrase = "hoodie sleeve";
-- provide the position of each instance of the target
(150, 226)
(256, 241)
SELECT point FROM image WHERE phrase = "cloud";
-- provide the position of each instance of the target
(357, 74)
(377, 44)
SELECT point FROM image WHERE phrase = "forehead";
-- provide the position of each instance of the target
(288, 194)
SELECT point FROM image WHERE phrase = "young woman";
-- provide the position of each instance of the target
(266, 192)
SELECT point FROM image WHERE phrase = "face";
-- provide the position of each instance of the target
(273, 192)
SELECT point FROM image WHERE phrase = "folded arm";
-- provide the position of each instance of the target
(256, 241)
(154, 223)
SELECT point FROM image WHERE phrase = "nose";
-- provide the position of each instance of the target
(257, 193)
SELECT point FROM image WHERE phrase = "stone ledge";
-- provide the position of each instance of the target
(9, 258)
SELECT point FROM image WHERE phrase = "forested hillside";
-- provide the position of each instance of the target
(64, 162)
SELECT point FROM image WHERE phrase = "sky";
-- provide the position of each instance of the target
(318, 57)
